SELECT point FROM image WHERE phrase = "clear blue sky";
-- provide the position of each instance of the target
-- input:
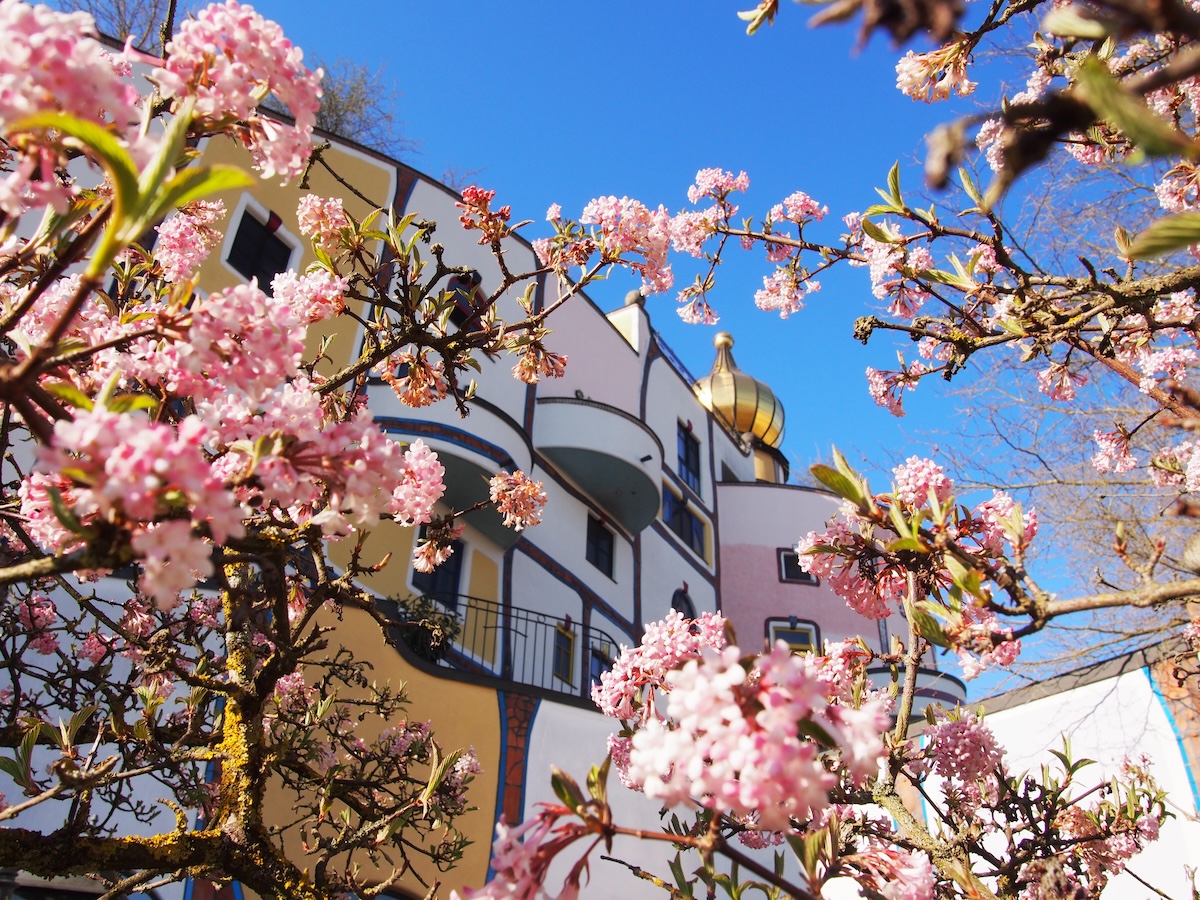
(562, 102)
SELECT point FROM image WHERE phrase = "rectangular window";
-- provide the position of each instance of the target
(257, 252)
(790, 571)
(683, 522)
(600, 663)
(564, 654)
(442, 583)
(599, 546)
(800, 636)
(689, 458)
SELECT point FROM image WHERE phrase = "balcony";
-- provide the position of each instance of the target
(932, 687)
(504, 643)
(614, 458)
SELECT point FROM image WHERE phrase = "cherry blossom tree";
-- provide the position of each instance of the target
(177, 439)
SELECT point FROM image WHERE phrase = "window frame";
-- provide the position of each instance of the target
(248, 206)
(775, 626)
(683, 523)
(687, 447)
(595, 554)
(805, 578)
(563, 668)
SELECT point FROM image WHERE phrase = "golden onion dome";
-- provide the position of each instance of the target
(742, 401)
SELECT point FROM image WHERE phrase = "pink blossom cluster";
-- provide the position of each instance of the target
(993, 522)
(1058, 382)
(518, 498)
(521, 859)
(831, 556)
(129, 471)
(982, 642)
(783, 292)
(51, 62)
(1113, 453)
(798, 207)
(887, 388)
(322, 220)
(731, 741)
(963, 748)
(895, 873)
(37, 614)
(316, 295)
(416, 381)
(537, 362)
(229, 58)
(477, 214)
(934, 75)
(626, 691)
(717, 184)
(626, 226)
(690, 230)
(186, 239)
(917, 479)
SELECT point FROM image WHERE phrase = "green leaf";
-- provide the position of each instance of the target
(101, 143)
(1077, 22)
(837, 482)
(876, 231)
(879, 209)
(193, 184)
(1166, 235)
(969, 186)
(893, 181)
(69, 394)
(815, 732)
(130, 402)
(566, 789)
(1127, 112)
(597, 780)
(929, 628)
(914, 544)
(65, 516)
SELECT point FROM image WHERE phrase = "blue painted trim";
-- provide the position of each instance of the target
(450, 435)
(1187, 766)
(502, 765)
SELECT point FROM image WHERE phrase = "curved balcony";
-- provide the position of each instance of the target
(504, 643)
(494, 442)
(932, 687)
(614, 458)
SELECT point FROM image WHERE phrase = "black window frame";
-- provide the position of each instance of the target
(778, 627)
(562, 663)
(256, 247)
(789, 559)
(601, 546)
(685, 524)
(688, 448)
(442, 584)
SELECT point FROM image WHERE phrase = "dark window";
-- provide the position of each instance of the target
(599, 546)
(800, 636)
(442, 582)
(599, 663)
(689, 458)
(467, 299)
(682, 602)
(683, 522)
(257, 252)
(789, 568)
(727, 473)
(564, 654)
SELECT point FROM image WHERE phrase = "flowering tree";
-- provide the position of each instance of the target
(153, 439)
(772, 748)
(170, 438)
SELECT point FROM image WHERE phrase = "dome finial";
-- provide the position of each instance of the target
(723, 340)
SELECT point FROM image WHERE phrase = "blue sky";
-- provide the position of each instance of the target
(561, 102)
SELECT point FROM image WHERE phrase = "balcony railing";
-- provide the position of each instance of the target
(538, 649)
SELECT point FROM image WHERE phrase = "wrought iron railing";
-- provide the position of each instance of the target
(509, 643)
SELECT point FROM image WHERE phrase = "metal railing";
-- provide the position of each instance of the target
(509, 643)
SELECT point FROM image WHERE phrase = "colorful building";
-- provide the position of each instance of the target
(664, 491)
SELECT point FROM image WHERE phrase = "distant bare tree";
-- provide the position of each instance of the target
(358, 104)
(142, 19)
(456, 179)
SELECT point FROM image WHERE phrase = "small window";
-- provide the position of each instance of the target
(599, 663)
(800, 636)
(599, 546)
(689, 457)
(790, 571)
(682, 602)
(467, 299)
(442, 583)
(683, 522)
(564, 654)
(257, 251)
